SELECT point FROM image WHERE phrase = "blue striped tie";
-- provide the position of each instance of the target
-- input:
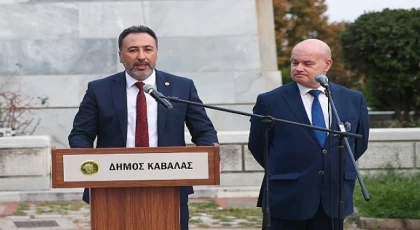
(318, 117)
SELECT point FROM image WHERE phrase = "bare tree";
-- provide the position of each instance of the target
(16, 112)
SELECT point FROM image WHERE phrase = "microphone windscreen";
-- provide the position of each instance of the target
(147, 88)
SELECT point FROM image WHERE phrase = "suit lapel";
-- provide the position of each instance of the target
(119, 95)
(164, 88)
(294, 101)
(339, 102)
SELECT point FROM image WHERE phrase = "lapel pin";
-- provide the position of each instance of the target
(347, 125)
(166, 83)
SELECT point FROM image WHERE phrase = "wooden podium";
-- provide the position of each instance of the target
(135, 188)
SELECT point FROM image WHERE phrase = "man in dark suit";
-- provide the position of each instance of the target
(117, 112)
(303, 163)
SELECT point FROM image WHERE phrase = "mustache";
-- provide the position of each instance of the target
(142, 63)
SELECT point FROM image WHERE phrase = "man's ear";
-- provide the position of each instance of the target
(328, 64)
(119, 56)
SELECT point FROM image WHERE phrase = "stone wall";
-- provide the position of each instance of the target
(25, 162)
(53, 48)
(397, 148)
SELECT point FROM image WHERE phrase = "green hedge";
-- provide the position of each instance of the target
(393, 195)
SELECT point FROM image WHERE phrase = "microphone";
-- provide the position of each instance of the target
(323, 80)
(160, 99)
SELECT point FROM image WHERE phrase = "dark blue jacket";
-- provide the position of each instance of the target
(103, 115)
(301, 172)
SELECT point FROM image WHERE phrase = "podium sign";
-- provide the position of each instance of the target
(136, 167)
(132, 188)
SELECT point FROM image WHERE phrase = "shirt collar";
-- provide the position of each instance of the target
(303, 90)
(151, 80)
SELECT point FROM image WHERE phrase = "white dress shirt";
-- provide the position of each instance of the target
(152, 110)
(307, 100)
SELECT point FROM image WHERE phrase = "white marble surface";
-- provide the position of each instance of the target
(25, 142)
(395, 134)
(250, 163)
(272, 80)
(63, 91)
(94, 56)
(169, 18)
(25, 161)
(25, 183)
(231, 157)
(68, 90)
(380, 154)
(13, 1)
(227, 87)
(209, 54)
(39, 21)
(241, 178)
(109, 19)
(59, 57)
(97, 0)
(57, 123)
(230, 122)
(202, 18)
(248, 85)
(267, 35)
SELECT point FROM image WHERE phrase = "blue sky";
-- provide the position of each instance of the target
(339, 10)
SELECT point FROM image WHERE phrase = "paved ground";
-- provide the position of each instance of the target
(40, 210)
(75, 215)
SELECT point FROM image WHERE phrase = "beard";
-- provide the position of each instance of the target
(137, 74)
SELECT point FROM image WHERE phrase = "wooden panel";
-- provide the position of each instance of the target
(135, 208)
(215, 166)
(58, 172)
(54, 167)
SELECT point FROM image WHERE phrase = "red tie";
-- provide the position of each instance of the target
(142, 131)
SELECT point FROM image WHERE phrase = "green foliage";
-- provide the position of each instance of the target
(385, 47)
(371, 100)
(393, 195)
(296, 21)
(285, 75)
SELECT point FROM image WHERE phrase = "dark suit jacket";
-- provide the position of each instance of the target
(103, 115)
(296, 158)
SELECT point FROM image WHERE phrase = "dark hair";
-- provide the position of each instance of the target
(136, 29)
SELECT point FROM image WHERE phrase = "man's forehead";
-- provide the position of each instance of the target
(303, 58)
(139, 40)
(311, 47)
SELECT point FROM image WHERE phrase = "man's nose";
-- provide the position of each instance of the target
(141, 55)
(299, 67)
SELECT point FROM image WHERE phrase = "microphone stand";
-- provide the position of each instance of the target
(268, 123)
(342, 139)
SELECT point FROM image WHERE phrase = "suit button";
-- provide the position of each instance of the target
(324, 151)
(321, 173)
